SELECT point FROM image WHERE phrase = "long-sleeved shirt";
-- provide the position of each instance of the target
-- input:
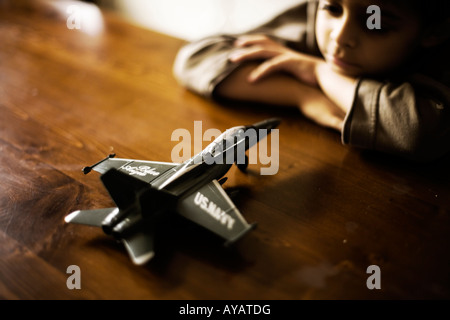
(409, 116)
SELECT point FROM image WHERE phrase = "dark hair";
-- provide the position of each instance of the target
(430, 12)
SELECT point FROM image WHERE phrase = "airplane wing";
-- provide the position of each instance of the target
(89, 217)
(143, 170)
(211, 208)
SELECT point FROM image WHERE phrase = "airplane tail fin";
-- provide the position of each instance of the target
(147, 204)
(127, 191)
(139, 246)
(122, 187)
(139, 208)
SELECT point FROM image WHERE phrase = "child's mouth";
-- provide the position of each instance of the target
(342, 63)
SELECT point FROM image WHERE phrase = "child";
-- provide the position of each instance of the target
(385, 89)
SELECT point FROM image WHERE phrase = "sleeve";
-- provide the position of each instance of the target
(409, 119)
(201, 65)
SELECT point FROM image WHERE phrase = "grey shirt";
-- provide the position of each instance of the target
(409, 117)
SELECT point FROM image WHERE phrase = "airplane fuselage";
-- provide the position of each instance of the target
(211, 163)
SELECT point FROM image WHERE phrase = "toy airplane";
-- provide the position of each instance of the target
(144, 191)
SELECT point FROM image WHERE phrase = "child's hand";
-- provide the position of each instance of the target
(278, 58)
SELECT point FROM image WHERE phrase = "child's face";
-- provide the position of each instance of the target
(351, 48)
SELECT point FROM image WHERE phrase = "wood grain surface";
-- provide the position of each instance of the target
(69, 97)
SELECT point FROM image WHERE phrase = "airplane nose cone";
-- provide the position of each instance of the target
(267, 124)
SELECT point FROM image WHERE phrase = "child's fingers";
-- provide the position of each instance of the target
(302, 70)
(250, 40)
(252, 53)
(268, 67)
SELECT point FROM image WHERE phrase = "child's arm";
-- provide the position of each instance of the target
(284, 90)
(206, 67)
(202, 64)
(311, 70)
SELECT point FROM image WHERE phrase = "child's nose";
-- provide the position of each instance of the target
(345, 33)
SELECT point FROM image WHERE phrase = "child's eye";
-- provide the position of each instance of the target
(333, 9)
(381, 31)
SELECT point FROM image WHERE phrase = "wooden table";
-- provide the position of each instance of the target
(68, 98)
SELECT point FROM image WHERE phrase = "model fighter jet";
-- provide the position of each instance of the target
(144, 191)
